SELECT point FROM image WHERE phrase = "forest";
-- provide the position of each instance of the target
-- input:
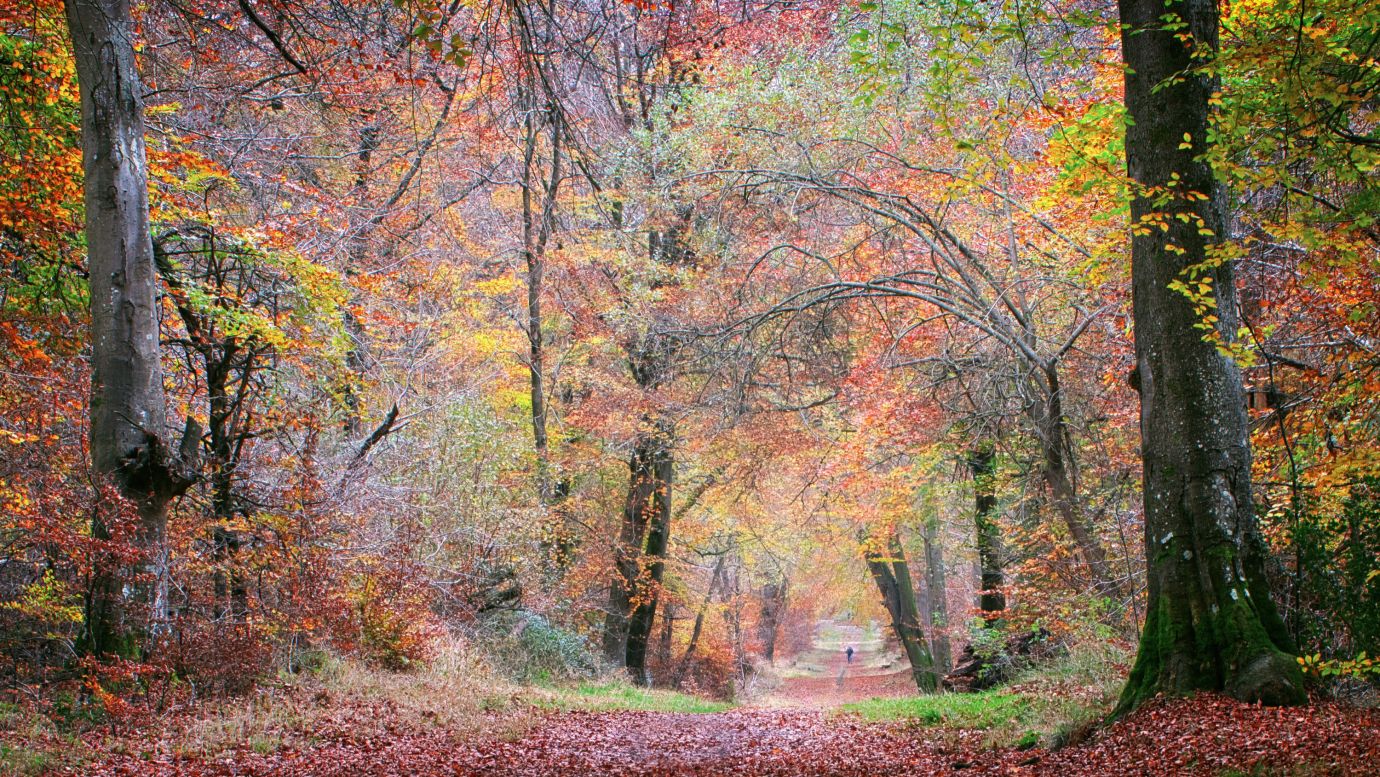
(689, 387)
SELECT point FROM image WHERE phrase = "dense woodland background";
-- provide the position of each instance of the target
(603, 334)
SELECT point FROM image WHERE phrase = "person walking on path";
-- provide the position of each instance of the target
(849, 653)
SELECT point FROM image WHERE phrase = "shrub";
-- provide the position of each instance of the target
(390, 624)
(527, 648)
(218, 658)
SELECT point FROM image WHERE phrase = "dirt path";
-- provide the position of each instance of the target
(822, 678)
(790, 731)
(740, 742)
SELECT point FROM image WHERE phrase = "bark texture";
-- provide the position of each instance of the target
(1210, 623)
(128, 416)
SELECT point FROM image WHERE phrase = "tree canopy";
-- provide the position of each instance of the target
(660, 339)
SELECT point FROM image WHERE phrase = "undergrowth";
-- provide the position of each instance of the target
(460, 692)
(456, 692)
(1054, 704)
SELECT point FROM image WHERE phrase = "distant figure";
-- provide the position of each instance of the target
(849, 653)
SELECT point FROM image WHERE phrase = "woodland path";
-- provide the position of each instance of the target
(795, 730)
(821, 678)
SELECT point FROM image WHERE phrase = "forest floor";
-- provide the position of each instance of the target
(822, 677)
(826, 717)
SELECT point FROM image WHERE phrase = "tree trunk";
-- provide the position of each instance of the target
(1058, 475)
(540, 185)
(698, 628)
(221, 355)
(355, 357)
(669, 616)
(648, 500)
(773, 600)
(733, 618)
(937, 606)
(231, 597)
(1210, 623)
(647, 591)
(982, 462)
(632, 600)
(892, 576)
(128, 416)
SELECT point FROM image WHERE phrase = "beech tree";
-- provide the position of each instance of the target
(128, 417)
(891, 573)
(752, 301)
(1210, 622)
(982, 462)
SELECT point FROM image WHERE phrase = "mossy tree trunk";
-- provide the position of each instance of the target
(646, 532)
(982, 462)
(892, 575)
(659, 469)
(645, 526)
(1210, 623)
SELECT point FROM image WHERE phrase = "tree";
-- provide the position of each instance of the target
(646, 527)
(539, 112)
(773, 600)
(892, 576)
(982, 462)
(936, 601)
(128, 416)
(1210, 622)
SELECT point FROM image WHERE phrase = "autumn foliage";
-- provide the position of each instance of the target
(570, 341)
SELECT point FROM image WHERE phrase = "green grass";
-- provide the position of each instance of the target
(1051, 705)
(19, 761)
(1295, 770)
(1007, 719)
(951, 710)
(617, 696)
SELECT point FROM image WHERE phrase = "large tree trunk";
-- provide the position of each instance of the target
(648, 500)
(1210, 624)
(648, 587)
(892, 576)
(937, 600)
(128, 417)
(982, 462)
